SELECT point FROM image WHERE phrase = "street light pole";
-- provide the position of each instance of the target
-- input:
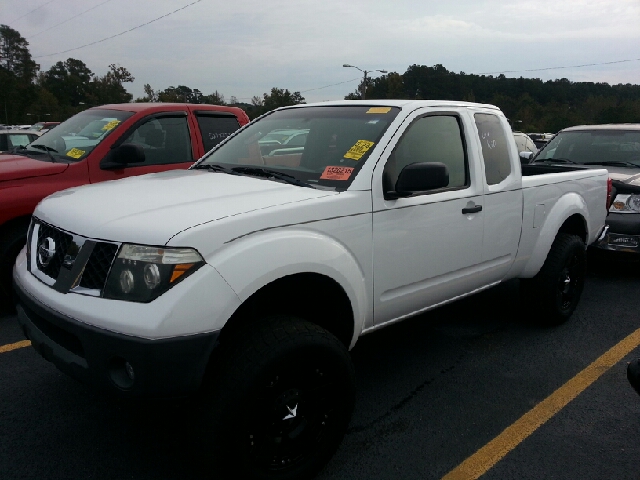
(364, 82)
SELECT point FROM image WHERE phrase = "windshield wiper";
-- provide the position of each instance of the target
(267, 173)
(614, 164)
(212, 167)
(46, 149)
(557, 160)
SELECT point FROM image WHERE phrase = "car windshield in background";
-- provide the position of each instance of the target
(74, 139)
(594, 147)
(317, 146)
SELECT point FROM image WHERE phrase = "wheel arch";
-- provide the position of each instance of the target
(569, 215)
(314, 297)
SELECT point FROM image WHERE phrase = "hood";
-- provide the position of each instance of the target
(150, 209)
(629, 176)
(17, 167)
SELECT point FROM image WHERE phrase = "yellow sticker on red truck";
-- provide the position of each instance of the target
(358, 150)
(336, 173)
(111, 125)
(75, 153)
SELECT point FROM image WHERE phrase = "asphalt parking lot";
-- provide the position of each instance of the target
(433, 392)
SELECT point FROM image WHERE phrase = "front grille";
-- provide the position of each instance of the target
(97, 269)
(62, 241)
(60, 249)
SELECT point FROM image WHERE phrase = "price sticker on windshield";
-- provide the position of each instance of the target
(111, 125)
(75, 153)
(379, 110)
(336, 173)
(358, 150)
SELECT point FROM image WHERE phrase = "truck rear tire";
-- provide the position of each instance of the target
(12, 238)
(553, 294)
(279, 400)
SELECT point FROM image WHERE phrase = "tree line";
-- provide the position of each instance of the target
(29, 95)
(532, 105)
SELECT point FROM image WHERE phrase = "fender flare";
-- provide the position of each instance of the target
(242, 265)
(568, 205)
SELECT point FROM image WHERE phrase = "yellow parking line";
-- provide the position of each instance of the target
(14, 346)
(485, 458)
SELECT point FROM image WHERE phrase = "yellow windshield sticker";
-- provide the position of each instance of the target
(75, 153)
(379, 110)
(111, 125)
(358, 150)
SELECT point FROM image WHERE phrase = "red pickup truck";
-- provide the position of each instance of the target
(102, 143)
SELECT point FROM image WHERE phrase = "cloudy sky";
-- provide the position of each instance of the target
(245, 47)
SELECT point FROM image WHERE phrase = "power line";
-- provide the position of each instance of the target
(332, 85)
(119, 34)
(37, 8)
(566, 66)
(69, 19)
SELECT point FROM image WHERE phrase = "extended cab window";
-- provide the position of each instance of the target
(164, 140)
(436, 138)
(495, 149)
(215, 127)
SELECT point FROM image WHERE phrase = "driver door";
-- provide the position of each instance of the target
(427, 247)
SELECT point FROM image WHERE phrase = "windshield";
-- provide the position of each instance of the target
(594, 147)
(332, 143)
(77, 137)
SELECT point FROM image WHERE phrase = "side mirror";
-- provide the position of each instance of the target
(123, 155)
(525, 157)
(420, 177)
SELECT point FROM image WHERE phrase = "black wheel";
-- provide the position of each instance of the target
(281, 400)
(12, 238)
(553, 294)
(633, 375)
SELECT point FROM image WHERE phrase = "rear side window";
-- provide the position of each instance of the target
(495, 149)
(436, 138)
(215, 128)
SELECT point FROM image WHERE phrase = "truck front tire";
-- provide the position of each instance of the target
(279, 399)
(553, 294)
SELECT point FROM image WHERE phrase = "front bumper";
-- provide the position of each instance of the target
(121, 364)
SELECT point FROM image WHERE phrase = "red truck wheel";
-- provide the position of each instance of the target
(12, 239)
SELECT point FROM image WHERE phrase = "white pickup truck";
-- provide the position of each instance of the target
(250, 276)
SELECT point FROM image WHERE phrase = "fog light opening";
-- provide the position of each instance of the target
(121, 373)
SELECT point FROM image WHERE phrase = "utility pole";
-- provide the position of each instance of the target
(364, 82)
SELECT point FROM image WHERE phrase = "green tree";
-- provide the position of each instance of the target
(278, 97)
(17, 74)
(109, 88)
(150, 95)
(69, 81)
(214, 99)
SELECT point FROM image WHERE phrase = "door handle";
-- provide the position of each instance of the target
(475, 209)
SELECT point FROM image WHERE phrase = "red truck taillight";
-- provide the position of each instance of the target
(609, 191)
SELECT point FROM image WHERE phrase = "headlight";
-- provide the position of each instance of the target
(141, 274)
(625, 203)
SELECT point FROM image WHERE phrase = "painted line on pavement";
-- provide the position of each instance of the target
(485, 458)
(14, 346)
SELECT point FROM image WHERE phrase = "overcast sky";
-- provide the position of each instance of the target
(244, 48)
